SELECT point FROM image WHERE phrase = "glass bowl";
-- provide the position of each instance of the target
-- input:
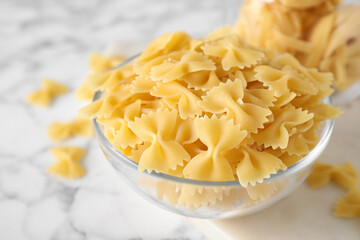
(209, 199)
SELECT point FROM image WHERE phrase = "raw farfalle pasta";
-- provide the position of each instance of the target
(349, 205)
(233, 53)
(220, 136)
(48, 92)
(97, 63)
(345, 175)
(162, 153)
(212, 109)
(229, 98)
(319, 33)
(287, 121)
(59, 131)
(68, 164)
(281, 81)
(254, 165)
(167, 43)
(192, 197)
(84, 92)
(343, 50)
(190, 62)
(177, 95)
(100, 63)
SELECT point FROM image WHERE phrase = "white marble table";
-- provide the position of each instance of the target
(52, 39)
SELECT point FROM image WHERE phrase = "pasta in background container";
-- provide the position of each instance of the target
(217, 128)
(319, 34)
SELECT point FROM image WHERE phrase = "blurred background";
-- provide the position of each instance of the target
(40, 30)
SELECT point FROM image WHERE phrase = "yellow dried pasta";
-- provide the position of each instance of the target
(232, 54)
(50, 89)
(345, 175)
(276, 134)
(212, 109)
(318, 33)
(190, 62)
(84, 92)
(178, 95)
(228, 98)
(349, 205)
(99, 63)
(220, 136)
(162, 154)
(59, 131)
(68, 164)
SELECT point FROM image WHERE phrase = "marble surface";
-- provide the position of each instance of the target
(52, 39)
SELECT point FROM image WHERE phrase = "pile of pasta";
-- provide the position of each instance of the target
(318, 33)
(212, 109)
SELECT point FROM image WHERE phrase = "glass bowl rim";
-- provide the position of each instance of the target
(301, 164)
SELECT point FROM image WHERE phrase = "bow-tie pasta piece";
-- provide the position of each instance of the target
(142, 84)
(345, 175)
(164, 44)
(84, 92)
(349, 205)
(48, 92)
(59, 131)
(68, 164)
(253, 166)
(233, 53)
(99, 63)
(203, 80)
(144, 68)
(173, 70)
(194, 197)
(220, 136)
(263, 191)
(176, 94)
(259, 97)
(111, 79)
(281, 81)
(321, 111)
(228, 98)
(108, 104)
(123, 136)
(321, 80)
(302, 142)
(167, 190)
(163, 153)
(286, 120)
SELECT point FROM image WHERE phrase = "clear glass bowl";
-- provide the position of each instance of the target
(207, 199)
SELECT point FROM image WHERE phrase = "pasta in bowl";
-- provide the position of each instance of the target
(213, 127)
